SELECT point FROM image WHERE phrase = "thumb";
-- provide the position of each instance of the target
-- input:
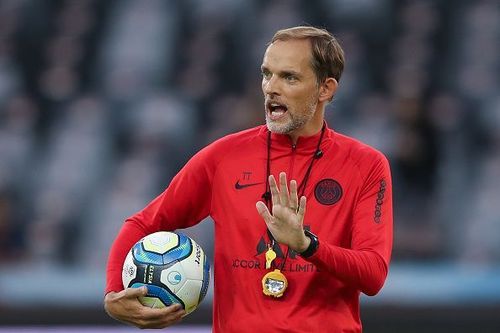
(136, 292)
(263, 211)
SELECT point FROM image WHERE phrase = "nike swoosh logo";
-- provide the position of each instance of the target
(239, 186)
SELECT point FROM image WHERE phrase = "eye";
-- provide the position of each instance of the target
(266, 74)
(291, 78)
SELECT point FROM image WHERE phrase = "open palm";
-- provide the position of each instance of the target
(286, 220)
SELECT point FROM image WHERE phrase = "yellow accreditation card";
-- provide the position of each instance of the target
(274, 283)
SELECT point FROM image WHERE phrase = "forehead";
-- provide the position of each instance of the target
(293, 54)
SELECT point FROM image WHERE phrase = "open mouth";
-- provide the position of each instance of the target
(276, 110)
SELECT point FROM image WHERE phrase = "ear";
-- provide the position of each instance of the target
(327, 89)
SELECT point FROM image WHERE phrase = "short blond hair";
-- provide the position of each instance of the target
(327, 54)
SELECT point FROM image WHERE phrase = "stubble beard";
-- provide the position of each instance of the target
(295, 120)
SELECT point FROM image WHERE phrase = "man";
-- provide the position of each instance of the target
(318, 259)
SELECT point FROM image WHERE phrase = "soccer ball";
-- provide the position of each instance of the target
(174, 268)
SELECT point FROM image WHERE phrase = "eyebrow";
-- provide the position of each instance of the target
(289, 72)
(284, 72)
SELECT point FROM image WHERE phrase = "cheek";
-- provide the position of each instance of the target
(303, 99)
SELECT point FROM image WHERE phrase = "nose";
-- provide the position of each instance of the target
(270, 86)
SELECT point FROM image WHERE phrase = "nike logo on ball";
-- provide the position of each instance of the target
(239, 186)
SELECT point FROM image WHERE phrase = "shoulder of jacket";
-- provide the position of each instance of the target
(227, 144)
(238, 137)
(362, 155)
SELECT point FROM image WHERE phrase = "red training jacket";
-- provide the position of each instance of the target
(349, 208)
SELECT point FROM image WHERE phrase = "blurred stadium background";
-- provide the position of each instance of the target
(101, 102)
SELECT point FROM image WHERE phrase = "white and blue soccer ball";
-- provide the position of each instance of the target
(172, 266)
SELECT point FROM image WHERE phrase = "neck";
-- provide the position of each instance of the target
(312, 127)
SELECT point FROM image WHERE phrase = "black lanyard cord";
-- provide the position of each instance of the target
(318, 153)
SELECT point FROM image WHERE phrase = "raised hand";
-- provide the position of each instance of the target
(286, 220)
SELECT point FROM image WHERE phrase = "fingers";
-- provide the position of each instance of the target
(302, 208)
(154, 315)
(275, 198)
(135, 292)
(281, 195)
(283, 191)
(125, 306)
(160, 317)
(264, 212)
(169, 313)
(294, 204)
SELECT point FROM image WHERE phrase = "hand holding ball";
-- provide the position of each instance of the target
(172, 266)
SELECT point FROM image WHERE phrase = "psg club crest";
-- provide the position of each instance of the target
(328, 191)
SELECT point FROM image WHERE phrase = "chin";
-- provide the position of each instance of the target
(278, 128)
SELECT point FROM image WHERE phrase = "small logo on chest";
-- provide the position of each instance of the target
(245, 181)
(239, 186)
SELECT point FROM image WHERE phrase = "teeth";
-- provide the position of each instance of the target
(276, 105)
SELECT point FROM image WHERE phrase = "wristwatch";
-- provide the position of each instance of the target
(313, 246)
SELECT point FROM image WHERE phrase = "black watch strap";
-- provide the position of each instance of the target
(313, 246)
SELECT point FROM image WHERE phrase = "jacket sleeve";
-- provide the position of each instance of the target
(365, 265)
(184, 203)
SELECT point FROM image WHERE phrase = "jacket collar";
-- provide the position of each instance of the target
(305, 144)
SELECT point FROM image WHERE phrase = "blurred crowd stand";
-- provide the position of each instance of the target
(101, 102)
